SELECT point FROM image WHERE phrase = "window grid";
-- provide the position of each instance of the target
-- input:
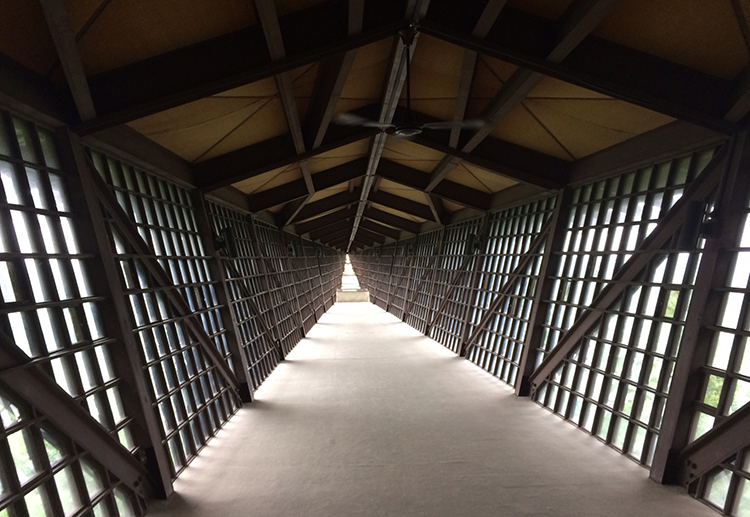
(281, 285)
(614, 383)
(421, 309)
(47, 303)
(45, 474)
(447, 327)
(260, 350)
(499, 347)
(402, 266)
(190, 398)
(726, 379)
(373, 271)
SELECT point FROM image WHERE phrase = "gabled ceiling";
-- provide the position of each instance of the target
(245, 91)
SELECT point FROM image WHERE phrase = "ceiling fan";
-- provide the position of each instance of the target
(406, 128)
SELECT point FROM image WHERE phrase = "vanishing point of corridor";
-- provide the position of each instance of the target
(369, 417)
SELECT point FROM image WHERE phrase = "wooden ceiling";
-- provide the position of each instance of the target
(244, 92)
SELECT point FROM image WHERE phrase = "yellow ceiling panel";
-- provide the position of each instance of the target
(492, 181)
(25, 37)
(126, 32)
(303, 80)
(414, 155)
(364, 85)
(401, 191)
(322, 194)
(462, 175)
(451, 206)
(587, 126)
(520, 127)
(340, 155)
(398, 213)
(435, 76)
(695, 33)
(269, 179)
(266, 122)
(489, 76)
(194, 129)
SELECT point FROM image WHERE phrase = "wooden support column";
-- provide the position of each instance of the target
(705, 305)
(223, 296)
(93, 238)
(542, 292)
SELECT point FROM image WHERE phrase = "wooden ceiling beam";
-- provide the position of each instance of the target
(416, 179)
(415, 11)
(369, 234)
(401, 204)
(327, 204)
(197, 71)
(298, 189)
(481, 28)
(269, 21)
(380, 228)
(503, 158)
(323, 221)
(436, 206)
(64, 39)
(265, 156)
(331, 79)
(575, 24)
(333, 231)
(602, 66)
(392, 220)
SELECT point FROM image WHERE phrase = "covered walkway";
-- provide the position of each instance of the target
(369, 417)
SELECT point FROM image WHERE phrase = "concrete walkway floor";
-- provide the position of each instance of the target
(369, 417)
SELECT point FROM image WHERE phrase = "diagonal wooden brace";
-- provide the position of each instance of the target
(162, 278)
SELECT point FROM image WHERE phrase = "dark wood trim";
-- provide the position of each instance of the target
(213, 66)
(265, 156)
(327, 204)
(418, 180)
(392, 220)
(323, 221)
(58, 23)
(401, 204)
(387, 231)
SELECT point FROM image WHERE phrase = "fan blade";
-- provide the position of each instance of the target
(466, 124)
(350, 119)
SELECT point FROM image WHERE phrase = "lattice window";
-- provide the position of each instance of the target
(499, 347)
(44, 473)
(246, 287)
(426, 252)
(726, 379)
(190, 397)
(281, 284)
(615, 382)
(47, 303)
(447, 326)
